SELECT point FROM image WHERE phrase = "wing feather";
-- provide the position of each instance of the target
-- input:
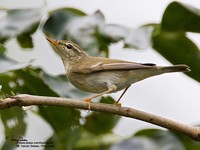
(123, 65)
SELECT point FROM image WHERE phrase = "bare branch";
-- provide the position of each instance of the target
(27, 100)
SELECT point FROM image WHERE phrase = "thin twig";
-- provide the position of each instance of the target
(27, 100)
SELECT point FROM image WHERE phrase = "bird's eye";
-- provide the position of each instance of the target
(69, 46)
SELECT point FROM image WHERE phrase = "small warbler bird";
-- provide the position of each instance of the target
(104, 75)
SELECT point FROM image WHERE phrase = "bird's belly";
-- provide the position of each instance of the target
(97, 82)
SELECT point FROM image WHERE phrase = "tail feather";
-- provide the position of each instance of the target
(175, 68)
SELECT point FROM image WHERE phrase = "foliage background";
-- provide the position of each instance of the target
(168, 39)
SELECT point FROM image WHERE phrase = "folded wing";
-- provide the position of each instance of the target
(114, 66)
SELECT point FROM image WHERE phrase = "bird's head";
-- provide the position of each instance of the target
(68, 51)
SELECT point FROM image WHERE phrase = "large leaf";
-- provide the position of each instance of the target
(73, 25)
(188, 143)
(33, 82)
(154, 139)
(89, 141)
(181, 17)
(2, 49)
(57, 24)
(99, 123)
(14, 125)
(178, 49)
(89, 31)
(65, 123)
(26, 80)
(19, 81)
(20, 23)
(170, 39)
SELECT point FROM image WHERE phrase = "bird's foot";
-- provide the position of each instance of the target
(117, 104)
(88, 100)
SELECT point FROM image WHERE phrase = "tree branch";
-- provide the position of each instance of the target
(27, 100)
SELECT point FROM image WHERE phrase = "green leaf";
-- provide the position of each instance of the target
(25, 41)
(8, 145)
(67, 24)
(14, 125)
(52, 140)
(170, 39)
(13, 120)
(101, 123)
(178, 49)
(8, 83)
(89, 31)
(89, 141)
(57, 23)
(2, 49)
(181, 17)
(21, 23)
(32, 82)
(162, 136)
(188, 143)
(26, 80)
(154, 139)
(65, 122)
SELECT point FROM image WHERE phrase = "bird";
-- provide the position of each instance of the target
(104, 75)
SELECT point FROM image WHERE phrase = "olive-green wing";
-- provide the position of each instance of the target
(112, 66)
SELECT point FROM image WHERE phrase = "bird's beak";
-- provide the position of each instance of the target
(52, 41)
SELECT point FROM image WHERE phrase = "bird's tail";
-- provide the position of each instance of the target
(175, 68)
(153, 70)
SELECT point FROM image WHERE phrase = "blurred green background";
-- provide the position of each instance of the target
(137, 31)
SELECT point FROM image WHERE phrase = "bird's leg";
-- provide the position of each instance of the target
(111, 88)
(117, 102)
